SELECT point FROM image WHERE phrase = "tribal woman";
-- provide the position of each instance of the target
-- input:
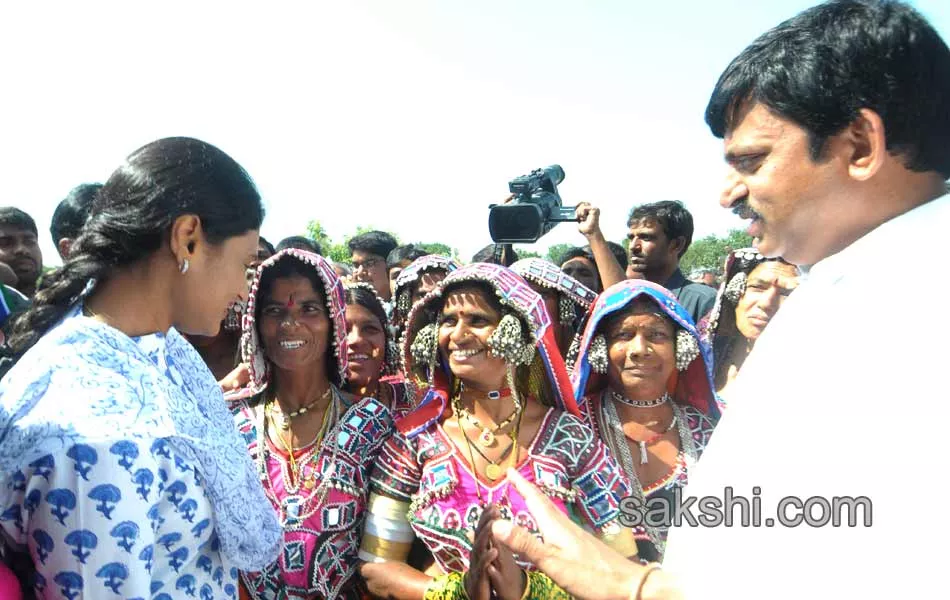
(643, 379)
(371, 370)
(753, 289)
(566, 299)
(417, 280)
(498, 398)
(313, 443)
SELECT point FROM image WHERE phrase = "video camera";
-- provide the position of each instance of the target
(534, 210)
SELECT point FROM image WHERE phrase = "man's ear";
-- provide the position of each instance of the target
(866, 145)
(676, 247)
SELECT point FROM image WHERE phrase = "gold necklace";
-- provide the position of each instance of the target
(494, 469)
(487, 436)
(285, 419)
(289, 447)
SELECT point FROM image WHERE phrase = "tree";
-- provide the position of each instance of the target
(710, 252)
(556, 251)
(524, 253)
(318, 233)
(440, 249)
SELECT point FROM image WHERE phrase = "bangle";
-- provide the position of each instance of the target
(636, 593)
(527, 585)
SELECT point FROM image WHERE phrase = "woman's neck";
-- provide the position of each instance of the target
(294, 389)
(369, 389)
(644, 415)
(498, 409)
(119, 300)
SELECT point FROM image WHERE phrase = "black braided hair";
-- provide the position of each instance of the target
(132, 216)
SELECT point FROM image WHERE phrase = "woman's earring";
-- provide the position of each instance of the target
(597, 355)
(183, 267)
(736, 288)
(565, 309)
(508, 342)
(687, 349)
(425, 345)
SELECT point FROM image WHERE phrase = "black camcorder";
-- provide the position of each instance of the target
(533, 211)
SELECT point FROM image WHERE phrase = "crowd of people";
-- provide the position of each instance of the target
(187, 410)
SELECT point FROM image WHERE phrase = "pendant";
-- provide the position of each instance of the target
(493, 471)
(487, 438)
(292, 506)
(309, 483)
(643, 453)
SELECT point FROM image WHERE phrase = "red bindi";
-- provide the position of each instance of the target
(290, 302)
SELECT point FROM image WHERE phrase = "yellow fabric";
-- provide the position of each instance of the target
(446, 587)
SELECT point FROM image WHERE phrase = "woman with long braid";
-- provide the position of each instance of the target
(121, 472)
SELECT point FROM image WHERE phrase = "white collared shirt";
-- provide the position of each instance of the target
(844, 395)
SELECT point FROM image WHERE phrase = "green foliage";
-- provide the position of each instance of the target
(440, 249)
(340, 252)
(523, 252)
(556, 251)
(710, 252)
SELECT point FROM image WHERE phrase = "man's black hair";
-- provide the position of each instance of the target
(379, 243)
(408, 252)
(12, 216)
(672, 216)
(300, 243)
(819, 68)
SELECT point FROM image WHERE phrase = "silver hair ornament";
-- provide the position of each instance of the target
(425, 345)
(597, 355)
(508, 341)
(687, 349)
(736, 288)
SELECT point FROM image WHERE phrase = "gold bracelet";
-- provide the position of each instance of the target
(635, 594)
(527, 585)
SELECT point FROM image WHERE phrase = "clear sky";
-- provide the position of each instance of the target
(410, 116)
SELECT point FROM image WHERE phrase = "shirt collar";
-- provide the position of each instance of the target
(876, 243)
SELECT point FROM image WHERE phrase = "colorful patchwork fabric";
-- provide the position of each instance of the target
(402, 296)
(428, 471)
(321, 542)
(549, 275)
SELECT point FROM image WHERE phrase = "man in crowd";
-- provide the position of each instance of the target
(659, 234)
(836, 132)
(400, 258)
(70, 215)
(300, 243)
(580, 264)
(368, 252)
(19, 248)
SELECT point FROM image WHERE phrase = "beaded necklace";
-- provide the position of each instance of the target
(617, 443)
(295, 507)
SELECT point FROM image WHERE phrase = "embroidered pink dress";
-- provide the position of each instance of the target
(322, 513)
(565, 460)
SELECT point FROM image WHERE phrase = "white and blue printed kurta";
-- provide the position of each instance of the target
(121, 473)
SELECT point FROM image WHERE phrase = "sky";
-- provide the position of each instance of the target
(407, 116)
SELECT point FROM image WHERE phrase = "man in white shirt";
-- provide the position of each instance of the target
(836, 126)
(837, 130)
